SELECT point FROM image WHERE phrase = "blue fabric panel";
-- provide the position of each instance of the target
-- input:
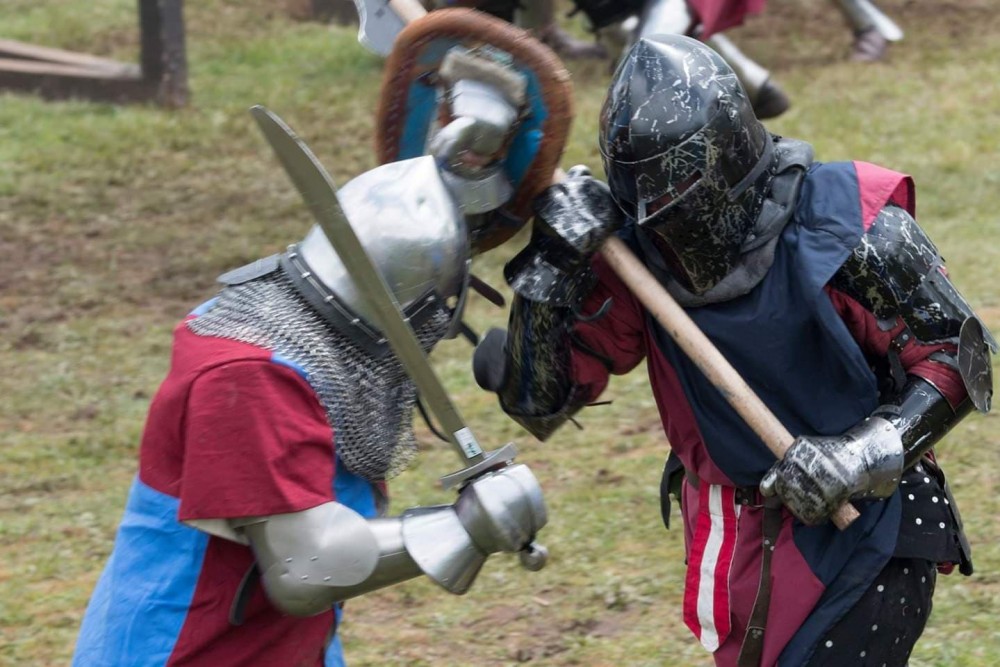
(787, 341)
(334, 656)
(289, 363)
(354, 491)
(871, 540)
(524, 146)
(205, 307)
(421, 109)
(149, 581)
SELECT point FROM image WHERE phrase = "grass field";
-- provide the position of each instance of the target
(114, 222)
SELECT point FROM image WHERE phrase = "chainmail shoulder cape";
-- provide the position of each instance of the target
(368, 402)
(794, 157)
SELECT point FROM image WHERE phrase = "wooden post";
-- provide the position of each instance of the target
(163, 59)
(58, 74)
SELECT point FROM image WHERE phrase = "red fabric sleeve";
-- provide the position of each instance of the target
(618, 336)
(720, 15)
(256, 442)
(914, 356)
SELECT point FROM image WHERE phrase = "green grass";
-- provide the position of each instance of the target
(115, 220)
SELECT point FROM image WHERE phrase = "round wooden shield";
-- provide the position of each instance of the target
(409, 103)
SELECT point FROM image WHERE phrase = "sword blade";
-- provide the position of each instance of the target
(320, 195)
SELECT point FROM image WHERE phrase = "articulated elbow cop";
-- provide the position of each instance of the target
(311, 559)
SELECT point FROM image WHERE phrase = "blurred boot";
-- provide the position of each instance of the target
(766, 96)
(869, 46)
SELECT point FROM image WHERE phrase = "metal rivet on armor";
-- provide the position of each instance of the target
(288, 560)
(306, 274)
(328, 298)
(313, 558)
(326, 578)
(874, 627)
(304, 577)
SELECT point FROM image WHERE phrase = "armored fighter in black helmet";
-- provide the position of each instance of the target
(816, 283)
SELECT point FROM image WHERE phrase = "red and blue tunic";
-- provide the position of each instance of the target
(803, 348)
(234, 431)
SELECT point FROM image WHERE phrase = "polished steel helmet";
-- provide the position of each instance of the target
(416, 236)
(685, 156)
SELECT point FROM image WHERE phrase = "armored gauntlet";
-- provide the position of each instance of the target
(819, 474)
(529, 365)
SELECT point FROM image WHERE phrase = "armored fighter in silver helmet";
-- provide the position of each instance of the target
(268, 446)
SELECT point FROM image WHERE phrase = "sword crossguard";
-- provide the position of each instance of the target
(495, 459)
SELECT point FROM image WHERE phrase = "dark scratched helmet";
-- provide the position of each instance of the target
(685, 156)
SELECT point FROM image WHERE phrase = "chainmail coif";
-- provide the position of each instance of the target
(368, 401)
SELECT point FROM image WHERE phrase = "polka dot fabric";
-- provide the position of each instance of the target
(928, 529)
(882, 628)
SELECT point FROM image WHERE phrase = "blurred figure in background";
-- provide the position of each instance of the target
(872, 29)
(621, 23)
(539, 16)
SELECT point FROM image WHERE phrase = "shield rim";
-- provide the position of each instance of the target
(468, 25)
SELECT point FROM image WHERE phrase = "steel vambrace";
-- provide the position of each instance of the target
(311, 559)
(922, 415)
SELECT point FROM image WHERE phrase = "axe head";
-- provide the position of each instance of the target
(378, 25)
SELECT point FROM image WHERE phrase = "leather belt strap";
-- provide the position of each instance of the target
(753, 641)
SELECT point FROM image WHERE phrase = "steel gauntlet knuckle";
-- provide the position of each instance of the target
(580, 212)
(503, 510)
